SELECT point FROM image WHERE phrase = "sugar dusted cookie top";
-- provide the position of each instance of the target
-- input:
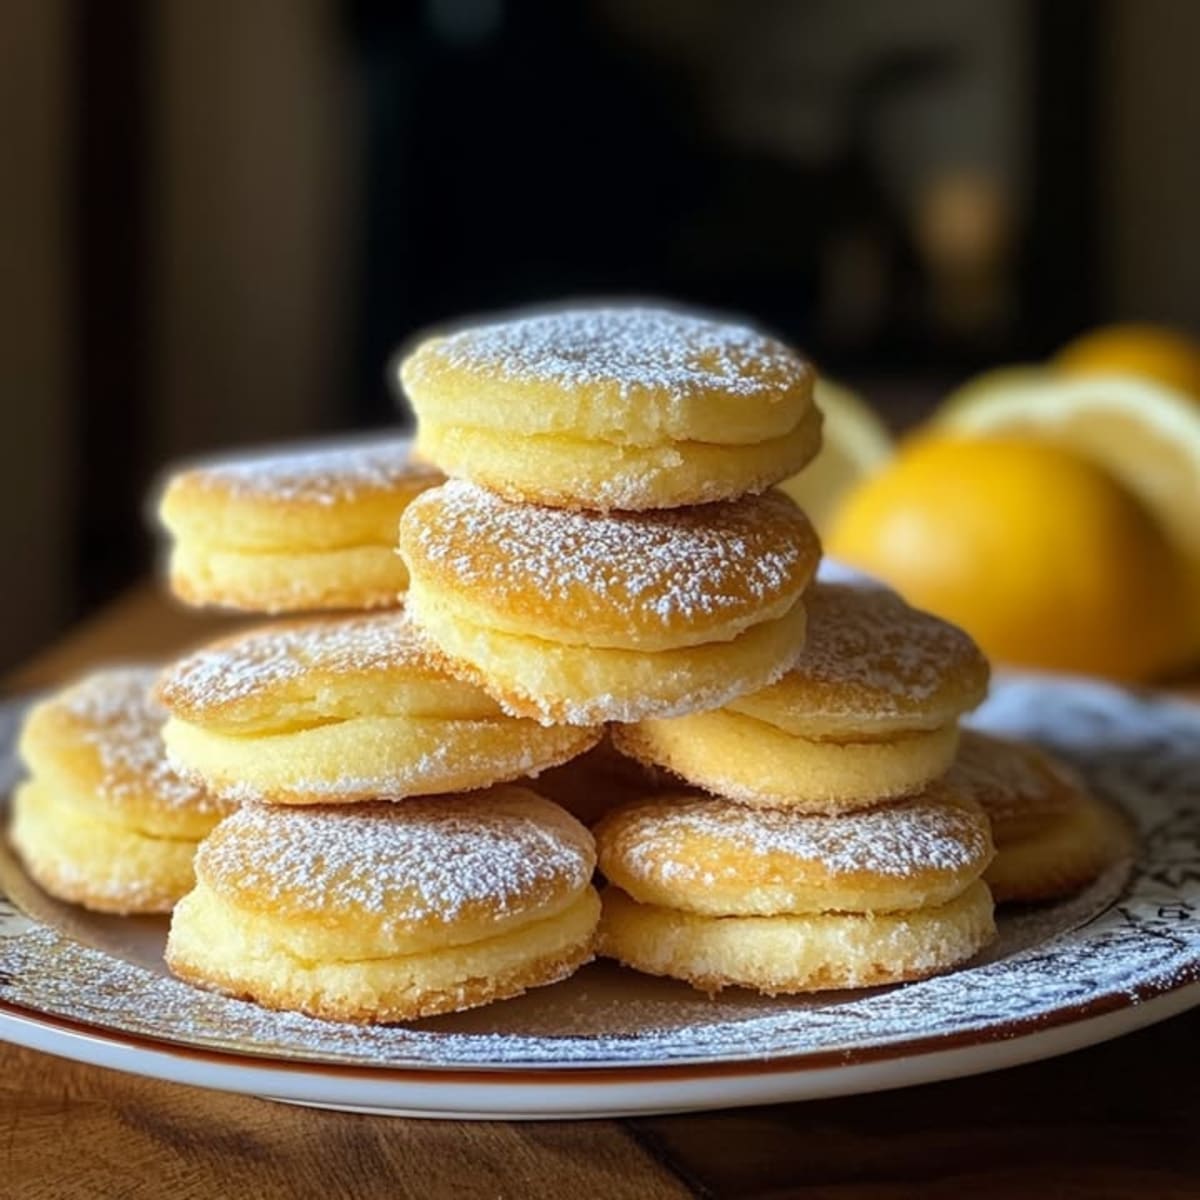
(635, 374)
(872, 663)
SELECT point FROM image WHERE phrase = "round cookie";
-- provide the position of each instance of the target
(1052, 837)
(721, 895)
(103, 820)
(581, 617)
(614, 408)
(296, 531)
(868, 712)
(789, 955)
(334, 710)
(705, 855)
(389, 912)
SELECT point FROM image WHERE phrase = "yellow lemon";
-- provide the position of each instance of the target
(1004, 380)
(1145, 434)
(1166, 356)
(854, 442)
(1038, 553)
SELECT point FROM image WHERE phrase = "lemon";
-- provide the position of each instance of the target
(1145, 434)
(1152, 352)
(1038, 553)
(1001, 380)
(854, 442)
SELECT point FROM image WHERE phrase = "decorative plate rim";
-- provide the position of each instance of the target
(540, 1074)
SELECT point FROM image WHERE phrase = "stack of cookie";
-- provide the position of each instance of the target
(318, 895)
(605, 554)
(837, 857)
(604, 603)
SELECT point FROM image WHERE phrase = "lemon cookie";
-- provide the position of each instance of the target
(867, 712)
(1052, 837)
(722, 895)
(581, 617)
(625, 407)
(295, 531)
(103, 820)
(389, 912)
(344, 709)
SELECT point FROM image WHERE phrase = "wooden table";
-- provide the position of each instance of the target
(1118, 1120)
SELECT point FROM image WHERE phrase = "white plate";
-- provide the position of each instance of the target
(1122, 955)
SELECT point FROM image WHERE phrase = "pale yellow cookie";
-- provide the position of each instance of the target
(789, 954)
(389, 912)
(335, 710)
(705, 855)
(722, 895)
(867, 712)
(1052, 838)
(293, 531)
(614, 408)
(581, 617)
(104, 821)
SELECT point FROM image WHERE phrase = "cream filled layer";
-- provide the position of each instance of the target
(585, 685)
(96, 862)
(288, 580)
(214, 944)
(364, 758)
(475, 609)
(755, 763)
(788, 953)
(561, 469)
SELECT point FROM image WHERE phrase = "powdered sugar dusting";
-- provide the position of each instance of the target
(323, 475)
(1116, 944)
(868, 638)
(1007, 778)
(628, 348)
(119, 716)
(420, 860)
(667, 567)
(247, 664)
(899, 841)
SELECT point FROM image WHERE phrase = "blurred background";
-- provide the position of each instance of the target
(220, 217)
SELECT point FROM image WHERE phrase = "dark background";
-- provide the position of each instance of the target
(220, 217)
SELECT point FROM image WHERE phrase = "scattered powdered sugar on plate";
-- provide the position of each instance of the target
(666, 567)
(115, 712)
(669, 839)
(631, 349)
(323, 475)
(1126, 938)
(252, 663)
(400, 863)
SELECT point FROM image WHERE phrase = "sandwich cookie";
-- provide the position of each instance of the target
(103, 820)
(583, 617)
(1052, 837)
(868, 712)
(293, 532)
(389, 912)
(334, 710)
(603, 408)
(721, 895)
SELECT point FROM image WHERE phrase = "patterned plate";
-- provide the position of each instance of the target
(1123, 954)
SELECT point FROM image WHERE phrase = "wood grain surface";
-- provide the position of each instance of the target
(1118, 1120)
